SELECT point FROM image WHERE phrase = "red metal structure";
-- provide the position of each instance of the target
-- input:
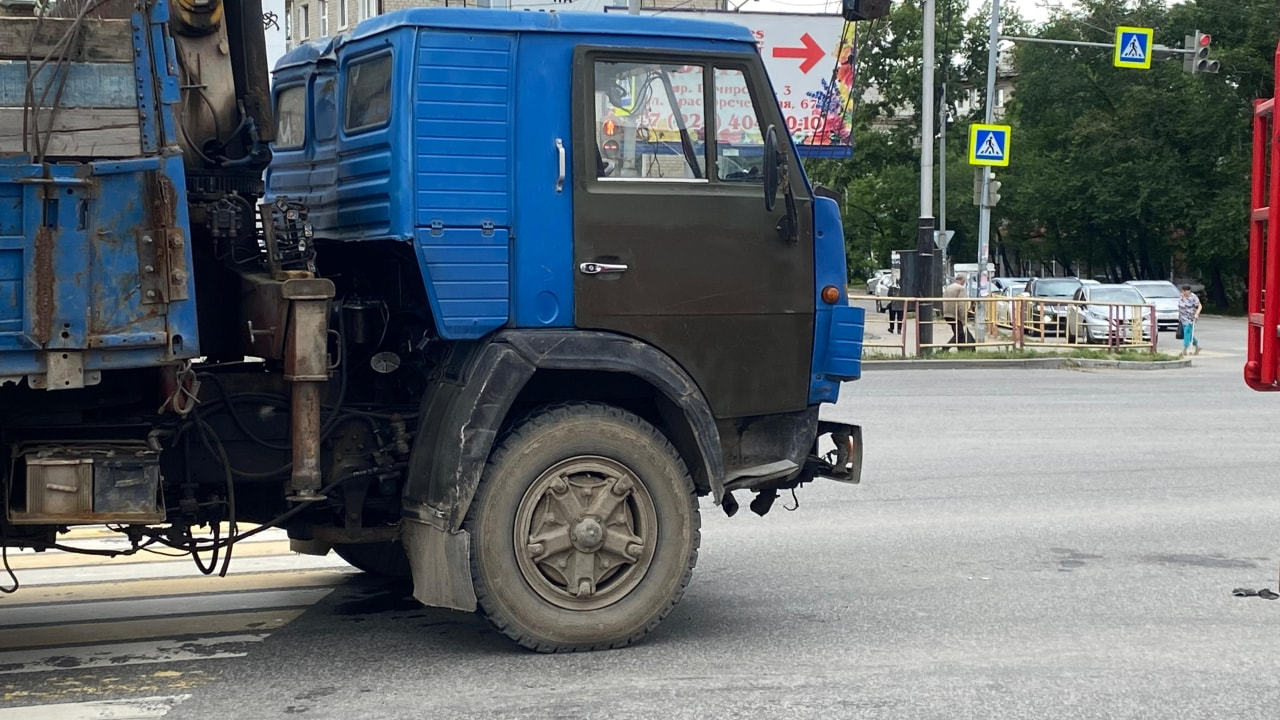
(1262, 368)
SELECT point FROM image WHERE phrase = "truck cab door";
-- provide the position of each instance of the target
(673, 242)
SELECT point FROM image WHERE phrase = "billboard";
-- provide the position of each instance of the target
(809, 59)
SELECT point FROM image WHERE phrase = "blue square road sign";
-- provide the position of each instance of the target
(989, 145)
(1133, 47)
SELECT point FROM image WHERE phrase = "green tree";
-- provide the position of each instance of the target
(1116, 172)
(1131, 173)
(881, 182)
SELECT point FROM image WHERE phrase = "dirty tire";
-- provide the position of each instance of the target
(384, 559)
(584, 529)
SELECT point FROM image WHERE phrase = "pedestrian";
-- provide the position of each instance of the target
(895, 308)
(953, 309)
(1189, 308)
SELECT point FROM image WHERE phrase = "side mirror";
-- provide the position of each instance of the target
(771, 167)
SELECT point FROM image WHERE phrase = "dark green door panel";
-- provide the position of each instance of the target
(696, 267)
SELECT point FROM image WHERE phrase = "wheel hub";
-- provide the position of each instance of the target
(585, 533)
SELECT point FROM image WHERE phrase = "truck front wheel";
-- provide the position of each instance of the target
(584, 530)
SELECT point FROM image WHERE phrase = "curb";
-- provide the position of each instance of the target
(1130, 364)
(1050, 363)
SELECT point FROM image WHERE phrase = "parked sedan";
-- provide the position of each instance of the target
(1001, 283)
(1005, 306)
(1164, 295)
(1042, 314)
(1112, 318)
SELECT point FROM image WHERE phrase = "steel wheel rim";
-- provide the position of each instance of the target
(585, 533)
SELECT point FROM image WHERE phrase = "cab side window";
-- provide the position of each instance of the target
(650, 121)
(739, 140)
(326, 114)
(291, 118)
(367, 97)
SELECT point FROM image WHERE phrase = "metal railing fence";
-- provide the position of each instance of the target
(1018, 323)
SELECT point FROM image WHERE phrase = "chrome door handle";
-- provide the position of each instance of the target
(560, 180)
(591, 268)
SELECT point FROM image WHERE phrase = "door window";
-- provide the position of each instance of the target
(291, 118)
(739, 140)
(326, 114)
(650, 121)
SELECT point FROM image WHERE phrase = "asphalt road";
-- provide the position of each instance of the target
(1025, 543)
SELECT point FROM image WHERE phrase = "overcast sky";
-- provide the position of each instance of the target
(1034, 10)
(275, 37)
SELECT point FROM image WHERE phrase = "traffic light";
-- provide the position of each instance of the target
(1198, 61)
(993, 191)
(855, 10)
(610, 145)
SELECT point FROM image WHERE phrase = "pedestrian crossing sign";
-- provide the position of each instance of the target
(989, 145)
(1133, 47)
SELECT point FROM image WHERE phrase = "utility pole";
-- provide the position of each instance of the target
(943, 242)
(984, 208)
(633, 7)
(925, 238)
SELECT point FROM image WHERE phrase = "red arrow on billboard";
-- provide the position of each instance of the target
(811, 53)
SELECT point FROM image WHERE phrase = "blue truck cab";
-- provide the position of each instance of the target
(480, 142)
(483, 297)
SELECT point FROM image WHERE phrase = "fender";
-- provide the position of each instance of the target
(461, 418)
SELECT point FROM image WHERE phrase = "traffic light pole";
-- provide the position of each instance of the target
(984, 207)
(926, 276)
(1155, 49)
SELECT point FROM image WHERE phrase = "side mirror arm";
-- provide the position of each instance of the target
(789, 224)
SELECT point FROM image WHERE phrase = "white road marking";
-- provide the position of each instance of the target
(136, 709)
(132, 653)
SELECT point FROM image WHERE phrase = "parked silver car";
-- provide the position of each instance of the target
(1115, 320)
(1164, 295)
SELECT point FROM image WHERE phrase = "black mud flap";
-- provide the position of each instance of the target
(843, 463)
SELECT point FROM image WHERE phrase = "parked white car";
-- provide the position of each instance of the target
(878, 277)
(1164, 295)
(1005, 310)
(882, 291)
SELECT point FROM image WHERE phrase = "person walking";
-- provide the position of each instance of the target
(1189, 308)
(953, 309)
(895, 307)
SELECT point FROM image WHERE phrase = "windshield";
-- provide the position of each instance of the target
(1116, 295)
(1163, 290)
(1057, 288)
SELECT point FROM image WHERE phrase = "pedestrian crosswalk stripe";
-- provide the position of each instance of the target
(137, 708)
(112, 655)
(34, 561)
(176, 568)
(145, 628)
(64, 614)
(193, 585)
